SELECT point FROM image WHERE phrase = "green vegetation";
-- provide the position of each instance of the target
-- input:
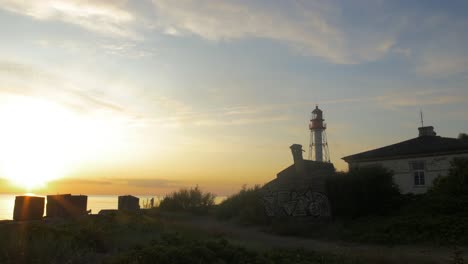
(456, 183)
(177, 249)
(439, 216)
(463, 136)
(83, 240)
(191, 200)
(368, 208)
(134, 238)
(246, 207)
(362, 192)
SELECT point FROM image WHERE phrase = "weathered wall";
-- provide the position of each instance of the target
(297, 194)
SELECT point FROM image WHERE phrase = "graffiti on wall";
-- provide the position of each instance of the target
(294, 203)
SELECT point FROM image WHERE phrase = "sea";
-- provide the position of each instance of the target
(96, 203)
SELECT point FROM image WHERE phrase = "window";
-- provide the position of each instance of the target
(419, 179)
(418, 168)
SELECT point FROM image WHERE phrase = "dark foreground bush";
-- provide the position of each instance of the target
(245, 206)
(75, 240)
(437, 217)
(362, 192)
(176, 249)
(409, 229)
(455, 183)
(190, 200)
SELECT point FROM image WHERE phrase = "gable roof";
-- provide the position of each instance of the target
(313, 177)
(416, 147)
(310, 167)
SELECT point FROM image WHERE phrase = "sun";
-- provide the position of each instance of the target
(33, 147)
(41, 140)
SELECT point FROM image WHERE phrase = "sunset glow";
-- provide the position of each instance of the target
(148, 96)
(42, 141)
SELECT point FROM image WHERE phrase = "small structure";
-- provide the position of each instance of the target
(66, 205)
(300, 189)
(415, 162)
(129, 203)
(28, 208)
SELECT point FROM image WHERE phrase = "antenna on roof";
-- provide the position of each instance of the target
(422, 118)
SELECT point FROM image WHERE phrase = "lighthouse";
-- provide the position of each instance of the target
(318, 147)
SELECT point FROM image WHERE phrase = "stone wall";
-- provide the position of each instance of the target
(299, 194)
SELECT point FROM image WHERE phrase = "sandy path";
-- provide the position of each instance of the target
(254, 238)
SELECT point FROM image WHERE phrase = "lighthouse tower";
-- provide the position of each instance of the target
(318, 147)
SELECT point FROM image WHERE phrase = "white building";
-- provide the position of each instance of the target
(415, 162)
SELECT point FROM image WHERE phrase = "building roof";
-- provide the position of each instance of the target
(310, 167)
(416, 147)
(312, 176)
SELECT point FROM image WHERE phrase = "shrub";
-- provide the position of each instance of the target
(456, 182)
(174, 249)
(193, 200)
(245, 206)
(362, 192)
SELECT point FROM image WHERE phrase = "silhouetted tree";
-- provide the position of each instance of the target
(463, 136)
(456, 182)
(362, 191)
(192, 199)
(245, 206)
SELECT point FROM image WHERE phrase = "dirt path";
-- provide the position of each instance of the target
(254, 238)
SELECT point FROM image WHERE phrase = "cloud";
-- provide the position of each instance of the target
(147, 182)
(103, 16)
(127, 50)
(15, 68)
(421, 98)
(178, 113)
(442, 49)
(78, 181)
(123, 48)
(436, 64)
(134, 182)
(23, 79)
(312, 27)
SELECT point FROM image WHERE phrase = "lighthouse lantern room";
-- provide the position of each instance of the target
(318, 147)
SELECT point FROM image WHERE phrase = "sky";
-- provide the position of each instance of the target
(145, 97)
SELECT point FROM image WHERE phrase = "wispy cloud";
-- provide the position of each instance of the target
(102, 16)
(23, 79)
(444, 53)
(122, 48)
(440, 64)
(147, 182)
(421, 98)
(182, 114)
(242, 115)
(315, 28)
(79, 181)
(312, 27)
(132, 182)
(11, 67)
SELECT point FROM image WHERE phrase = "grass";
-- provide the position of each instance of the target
(175, 249)
(82, 240)
(150, 237)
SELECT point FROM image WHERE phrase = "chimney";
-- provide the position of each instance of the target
(296, 150)
(426, 131)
